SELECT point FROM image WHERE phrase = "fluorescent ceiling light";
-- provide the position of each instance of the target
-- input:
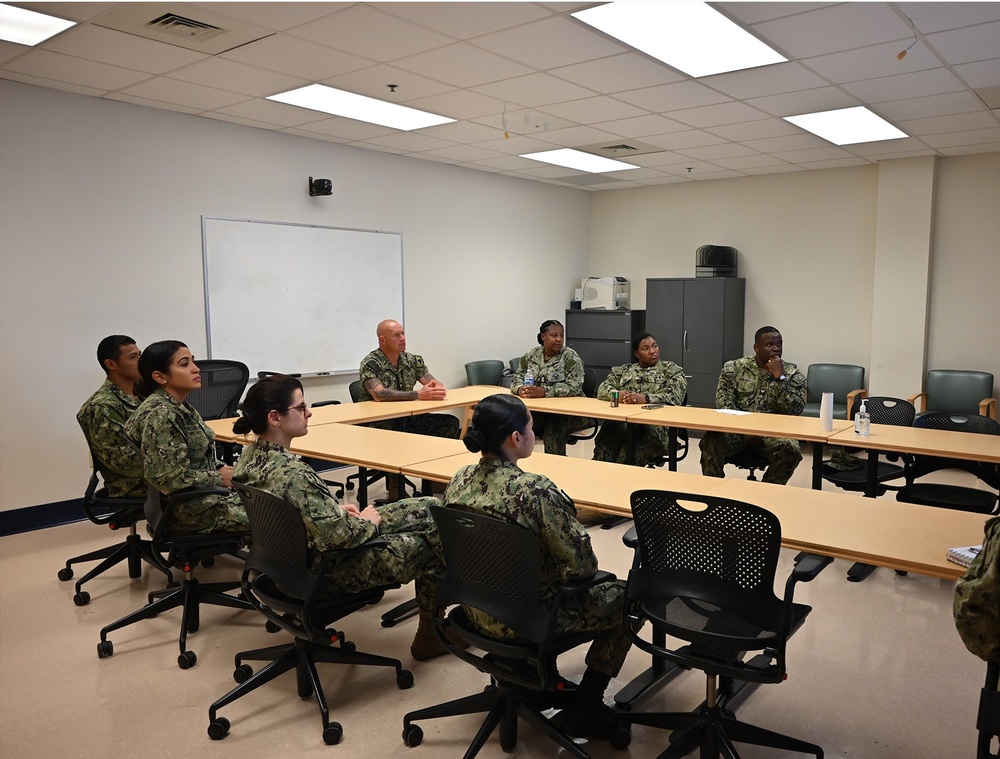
(319, 97)
(847, 126)
(691, 37)
(27, 27)
(577, 159)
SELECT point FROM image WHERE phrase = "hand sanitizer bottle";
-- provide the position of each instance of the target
(529, 378)
(862, 422)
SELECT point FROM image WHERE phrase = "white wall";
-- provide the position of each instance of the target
(100, 233)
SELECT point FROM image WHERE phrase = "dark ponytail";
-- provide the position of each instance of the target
(494, 419)
(272, 393)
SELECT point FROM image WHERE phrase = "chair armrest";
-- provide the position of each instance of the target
(576, 587)
(988, 408)
(853, 396)
(809, 567)
(922, 397)
(336, 555)
(188, 493)
(631, 538)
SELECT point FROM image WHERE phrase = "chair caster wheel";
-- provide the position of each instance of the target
(413, 735)
(332, 734)
(349, 645)
(404, 679)
(271, 627)
(187, 660)
(105, 649)
(242, 673)
(621, 738)
(218, 728)
(208, 561)
(82, 598)
(64, 574)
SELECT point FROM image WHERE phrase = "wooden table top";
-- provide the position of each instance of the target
(385, 450)
(753, 423)
(944, 443)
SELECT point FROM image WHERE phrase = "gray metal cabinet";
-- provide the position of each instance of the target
(699, 325)
(603, 338)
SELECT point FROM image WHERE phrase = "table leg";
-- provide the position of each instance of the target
(362, 488)
(672, 449)
(817, 480)
(629, 443)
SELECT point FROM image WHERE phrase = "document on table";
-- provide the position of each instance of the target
(732, 411)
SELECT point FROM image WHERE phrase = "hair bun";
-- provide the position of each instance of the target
(241, 426)
(474, 441)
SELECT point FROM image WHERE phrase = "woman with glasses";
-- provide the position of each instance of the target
(178, 449)
(276, 412)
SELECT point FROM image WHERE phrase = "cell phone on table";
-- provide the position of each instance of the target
(653, 405)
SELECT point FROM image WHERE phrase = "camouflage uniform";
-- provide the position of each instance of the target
(103, 419)
(501, 489)
(976, 604)
(561, 376)
(413, 550)
(178, 451)
(664, 382)
(744, 386)
(404, 377)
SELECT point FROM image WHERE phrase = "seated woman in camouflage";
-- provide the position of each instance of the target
(501, 430)
(649, 380)
(275, 410)
(178, 450)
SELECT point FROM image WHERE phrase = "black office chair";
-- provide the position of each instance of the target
(495, 566)
(988, 720)
(374, 476)
(589, 427)
(749, 460)
(959, 497)
(183, 552)
(222, 386)
(280, 582)
(116, 513)
(322, 466)
(706, 577)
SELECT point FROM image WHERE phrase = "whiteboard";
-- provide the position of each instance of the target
(297, 298)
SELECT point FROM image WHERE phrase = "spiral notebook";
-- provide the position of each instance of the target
(964, 556)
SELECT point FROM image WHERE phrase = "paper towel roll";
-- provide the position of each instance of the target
(826, 411)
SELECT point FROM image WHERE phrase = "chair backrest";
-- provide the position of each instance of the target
(514, 363)
(485, 372)
(492, 565)
(839, 379)
(355, 390)
(725, 553)
(955, 422)
(222, 386)
(590, 382)
(957, 390)
(279, 548)
(885, 410)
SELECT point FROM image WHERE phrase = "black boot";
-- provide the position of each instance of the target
(589, 716)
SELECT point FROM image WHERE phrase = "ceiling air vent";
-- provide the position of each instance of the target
(183, 25)
(621, 150)
(188, 28)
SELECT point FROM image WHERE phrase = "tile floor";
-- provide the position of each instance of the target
(877, 672)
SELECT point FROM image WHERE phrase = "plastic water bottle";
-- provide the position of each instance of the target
(862, 422)
(529, 378)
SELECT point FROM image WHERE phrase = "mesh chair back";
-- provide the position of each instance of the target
(486, 372)
(279, 547)
(494, 566)
(726, 553)
(222, 386)
(946, 420)
(590, 382)
(957, 390)
(355, 390)
(885, 410)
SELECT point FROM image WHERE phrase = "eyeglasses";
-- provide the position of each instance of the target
(302, 408)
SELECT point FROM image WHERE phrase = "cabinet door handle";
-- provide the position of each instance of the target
(685, 341)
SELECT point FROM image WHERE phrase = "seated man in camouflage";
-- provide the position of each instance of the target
(649, 380)
(105, 413)
(764, 383)
(389, 373)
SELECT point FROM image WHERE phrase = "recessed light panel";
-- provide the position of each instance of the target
(577, 159)
(319, 97)
(847, 126)
(28, 27)
(691, 37)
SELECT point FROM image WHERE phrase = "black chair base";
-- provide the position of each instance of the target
(300, 655)
(503, 705)
(190, 595)
(133, 549)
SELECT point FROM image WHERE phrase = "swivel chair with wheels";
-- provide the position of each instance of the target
(706, 578)
(495, 566)
(322, 466)
(222, 386)
(750, 460)
(116, 513)
(281, 584)
(590, 427)
(374, 476)
(988, 720)
(182, 552)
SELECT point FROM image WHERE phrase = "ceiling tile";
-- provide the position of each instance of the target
(971, 137)
(410, 142)
(120, 49)
(595, 109)
(463, 65)
(981, 73)
(718, 115)
(374, 82)
(692, 138)
(936, 17)
(872, 62)
(238, 77)
(463, 153)
(932, 82)
(277, 16)
(473, 20)
(978, 43)
(59, 67)
(459, 104)
(619, 73)
(534, 90)
(764, 80)
(843, 26)
(959, 122)
(123, 98)
(931, 105)
(271, 112)
(673, 97)
(184, 93)
(349, 130)
(755, 130)
(806, 101)
(297, 57)
(640, 126)
(549, 43)
(79, 89)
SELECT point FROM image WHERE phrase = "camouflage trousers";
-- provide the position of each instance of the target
(412, 554)
(554, 430)
(783, 454)
(435, 425)
(600, 608)
(650, 443)
(210, 513)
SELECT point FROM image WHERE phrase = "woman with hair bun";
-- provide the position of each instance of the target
(551, 371)
(178, 449)
(276, 412)
(496, 486)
